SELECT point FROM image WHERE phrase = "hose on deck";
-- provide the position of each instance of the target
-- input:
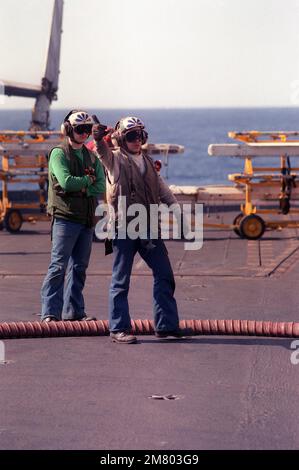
(146, 327)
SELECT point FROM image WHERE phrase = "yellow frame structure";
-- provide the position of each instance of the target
(256, 144)
(24, 160)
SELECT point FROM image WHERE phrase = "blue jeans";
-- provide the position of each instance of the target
(164, 304)
(71, 247)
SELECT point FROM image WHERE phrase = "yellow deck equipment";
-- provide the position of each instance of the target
(263, 183)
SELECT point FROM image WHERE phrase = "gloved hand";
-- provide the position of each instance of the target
(90, 172)
(99, 131)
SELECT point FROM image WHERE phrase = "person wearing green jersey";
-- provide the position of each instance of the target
(76, 178)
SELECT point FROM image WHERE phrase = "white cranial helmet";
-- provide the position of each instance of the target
(129, 123)
(80, 117)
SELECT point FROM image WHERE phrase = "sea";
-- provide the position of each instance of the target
(194, 128)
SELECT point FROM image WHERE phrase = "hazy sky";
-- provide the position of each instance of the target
(157, 53)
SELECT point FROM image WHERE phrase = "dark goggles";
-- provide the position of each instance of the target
(83, 129)
(134, 135)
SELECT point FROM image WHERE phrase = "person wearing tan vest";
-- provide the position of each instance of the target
(131, 174)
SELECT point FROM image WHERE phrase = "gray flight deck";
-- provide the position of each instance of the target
(89, 393)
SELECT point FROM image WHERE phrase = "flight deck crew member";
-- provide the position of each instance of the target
(76, 178)
(131, 173)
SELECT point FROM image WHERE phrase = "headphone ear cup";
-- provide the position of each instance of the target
(63, 130)
(144, 137)
(115, 139)
(116, 136)
(66, 129)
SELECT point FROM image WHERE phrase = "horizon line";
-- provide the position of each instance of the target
(164, 108)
